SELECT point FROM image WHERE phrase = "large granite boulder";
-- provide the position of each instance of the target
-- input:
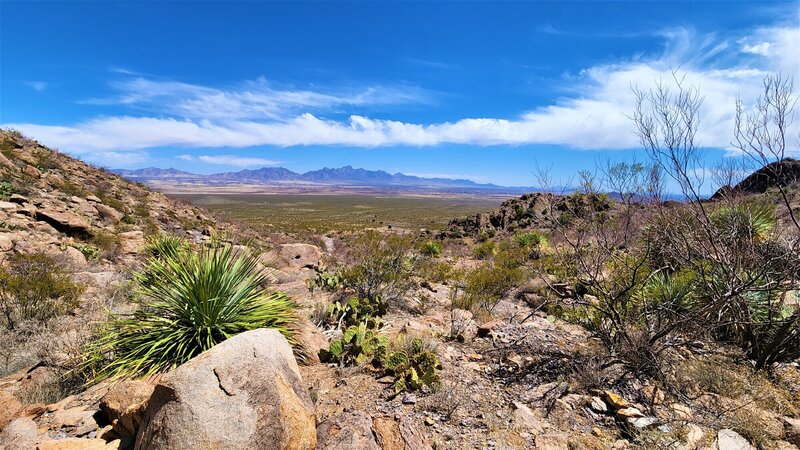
(244, 393)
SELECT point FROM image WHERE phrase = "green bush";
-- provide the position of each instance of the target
(6, 189)
(431, 249)
(186, 306)
(33, 286)
(484, 250)
(488, 284)
(380, 267)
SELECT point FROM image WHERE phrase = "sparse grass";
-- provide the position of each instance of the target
(318, 214)
(72, 189)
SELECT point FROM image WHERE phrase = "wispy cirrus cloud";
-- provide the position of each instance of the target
(256, 100)
(229, 160)
(591, 114)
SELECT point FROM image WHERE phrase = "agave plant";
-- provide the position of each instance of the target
(188, 304)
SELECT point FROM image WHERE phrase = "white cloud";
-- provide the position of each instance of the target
(757, 49)
(255, 100)
(592, 114)
(37, 85)
(230, 160)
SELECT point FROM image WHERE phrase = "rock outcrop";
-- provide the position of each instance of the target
(244, 393)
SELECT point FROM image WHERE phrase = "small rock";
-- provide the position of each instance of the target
(523, 418)
(728, 439)
(93, 199)
(597, 404)
(9, 408)
(409, 399)
(629, 412)
(20, 434)
(474, 357)
(77, 200)
(486, 329)
(641, 422)
(682, 412)
(8, 206)
(108, 213)
(653, 394)
(16, 198)
(429, 422)
(614, 401)
(6, 243)
(33, 411)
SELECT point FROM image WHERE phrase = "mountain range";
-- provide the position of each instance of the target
(346, 175)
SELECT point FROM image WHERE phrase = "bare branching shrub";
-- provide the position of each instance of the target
(379, 267)
(34, 287)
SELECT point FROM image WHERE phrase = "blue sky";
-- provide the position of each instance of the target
(485, 91)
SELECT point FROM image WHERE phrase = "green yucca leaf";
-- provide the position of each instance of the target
(187, 304)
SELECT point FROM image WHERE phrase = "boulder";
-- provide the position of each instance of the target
(8, 206)
(125, 404)
(74, 258)
(32, 171)
(300, 255)
(245, 392)
(730, 440)
(65, 222)
(9, 408)
(131, 241)
(6, 243)
(20, 434)
(108, 213)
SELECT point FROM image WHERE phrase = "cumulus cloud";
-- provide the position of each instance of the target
(591, 114)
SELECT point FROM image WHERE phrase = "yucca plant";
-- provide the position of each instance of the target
(751, 220)
(188, 304)
(166, 246)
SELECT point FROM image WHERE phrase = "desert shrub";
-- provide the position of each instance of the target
(380, 267)
(431, 248)
(413, 362)
(166, 246)
(6, 189)
(488, 284)
(108, 243)
(70, 188)
(198, 300)
(33, 286)
(112, 201)
(484, 250)
(435, 271)
(45, 159)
